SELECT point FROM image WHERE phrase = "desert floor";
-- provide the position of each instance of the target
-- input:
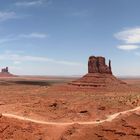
(47, 108)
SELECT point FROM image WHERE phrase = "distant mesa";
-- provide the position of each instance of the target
(5, 73)
(99, 74)
(4, 70)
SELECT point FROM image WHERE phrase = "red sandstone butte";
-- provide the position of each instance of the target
(5, 73)
(97, 65)
(99, 74)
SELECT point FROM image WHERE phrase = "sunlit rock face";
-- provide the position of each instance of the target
(99, 75)
(98, 65)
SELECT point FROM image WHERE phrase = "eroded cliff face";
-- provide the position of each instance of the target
(98, 65)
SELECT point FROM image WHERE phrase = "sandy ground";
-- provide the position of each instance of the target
(51, 100)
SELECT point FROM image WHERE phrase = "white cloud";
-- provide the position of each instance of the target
(10, 38)
(34, 35)
(29, 3)
(131, 36)
(7, 15)
(128, 47)
(16, 58)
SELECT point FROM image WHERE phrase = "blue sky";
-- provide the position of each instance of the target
(56, 37)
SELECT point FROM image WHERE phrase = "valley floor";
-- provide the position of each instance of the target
(39, 108)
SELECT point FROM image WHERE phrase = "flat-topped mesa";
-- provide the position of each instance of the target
(98, 65)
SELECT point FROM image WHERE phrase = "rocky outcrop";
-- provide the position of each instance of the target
(99, 75)
(5, 73)
(98, 65)
(5, 70)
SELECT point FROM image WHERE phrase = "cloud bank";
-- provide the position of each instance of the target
(129, 36)
(128, 47)
(34, 35)
(29, 3)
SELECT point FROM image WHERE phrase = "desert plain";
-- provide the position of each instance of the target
(47, 108)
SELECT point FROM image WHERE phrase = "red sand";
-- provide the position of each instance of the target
(65, 103)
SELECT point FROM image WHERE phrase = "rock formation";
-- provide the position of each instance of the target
(97, 65)
(99, 74)
(5, 70)
(5, 73)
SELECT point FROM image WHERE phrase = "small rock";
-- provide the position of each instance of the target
(101, 108)
(84, 111)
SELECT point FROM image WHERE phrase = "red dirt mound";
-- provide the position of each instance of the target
(98, 80)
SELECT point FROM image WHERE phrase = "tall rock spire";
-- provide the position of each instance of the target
(110, 66)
